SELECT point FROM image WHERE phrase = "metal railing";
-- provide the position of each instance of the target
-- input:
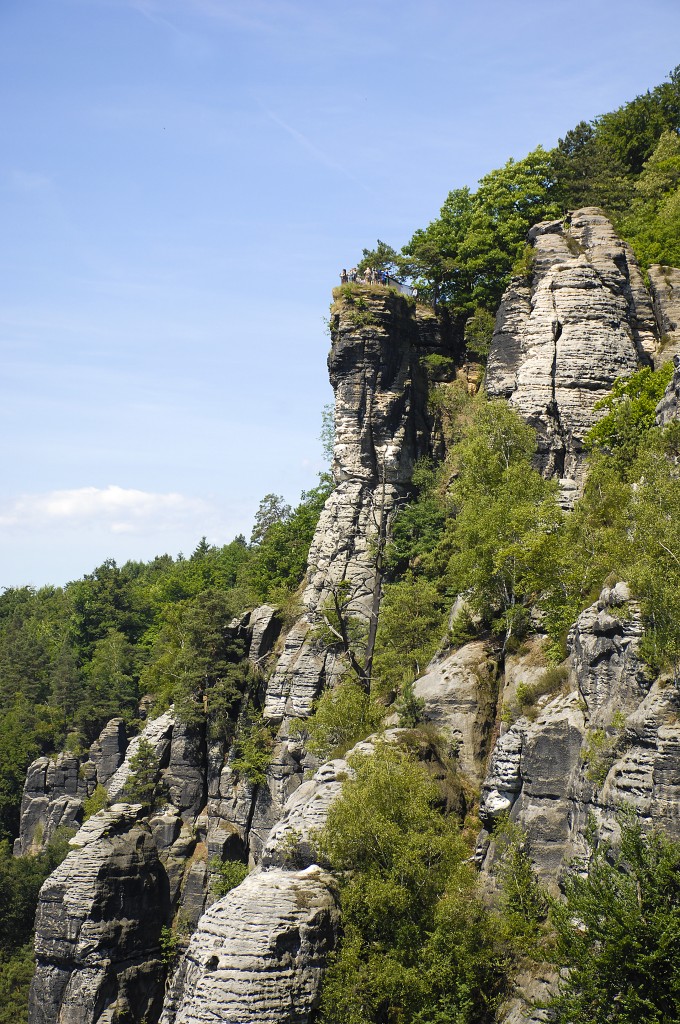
(377, 277)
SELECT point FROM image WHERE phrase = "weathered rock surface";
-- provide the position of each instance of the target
(609, 740)
(460, 699)
(667, 409)
(557, 350)
(184, 779)
(53, 797)
(158, 733)
(98, 925)
(264, 625)
(380, 431)
(258, 954)
(107, 753)
(604, 643)
(665, 286)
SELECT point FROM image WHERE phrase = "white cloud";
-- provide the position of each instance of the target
(118, 509)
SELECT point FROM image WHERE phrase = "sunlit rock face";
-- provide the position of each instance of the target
(562, 339)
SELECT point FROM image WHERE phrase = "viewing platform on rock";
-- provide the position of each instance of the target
(377, 277)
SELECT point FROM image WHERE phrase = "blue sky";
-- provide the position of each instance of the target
(181, 182)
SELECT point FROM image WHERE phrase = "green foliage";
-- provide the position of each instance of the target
(410, 709)
(97, 801)
(465, 257)
(277, 565)
(383, 257)
(479, 331)
(417, 944)
(410, 629)
(438, 367)
(528, 694)
(327, 435)
(20, 882)
(226, 875)
(142, 786)
(271, 510)
(523, 901)
(196, 661)
(252, 750)
(498, 546)
(342, 716)
(629, 416)
(169, 945)
(619, 932)
(16, 974)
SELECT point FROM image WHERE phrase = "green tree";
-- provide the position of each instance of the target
(272, 509)
(619, 934)
(196, 660)
(417, 945)
(383, 257)
(142, 785)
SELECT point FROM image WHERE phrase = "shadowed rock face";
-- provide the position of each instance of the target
(560, 343)
(98, 925)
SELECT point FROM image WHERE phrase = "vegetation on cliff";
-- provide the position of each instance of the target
(627, 162)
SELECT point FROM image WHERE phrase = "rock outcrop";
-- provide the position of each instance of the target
(665, 287)
(561, 341)
(608, 740)
(258, 954)
(459, 694)
(380, 432)
(667, 409)
(98, 926)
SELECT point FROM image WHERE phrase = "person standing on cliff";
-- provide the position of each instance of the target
(343, 277)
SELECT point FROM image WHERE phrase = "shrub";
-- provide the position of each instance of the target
(618, 933)
(342, 716)
(252, 750)
(226, 875)
(97, 801)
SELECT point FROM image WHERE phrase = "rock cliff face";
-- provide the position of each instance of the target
(98, 926)
(258, 953)
(381, 430)
(609, 738)
(665, 287)
(562, 339)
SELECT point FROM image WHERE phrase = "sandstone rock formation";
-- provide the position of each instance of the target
(665, 287)
(560, 343)
(667, 409)
(380, 431)
(98, 926)
(608, 740)
(460, 694)
(381, 425)
(258, 953)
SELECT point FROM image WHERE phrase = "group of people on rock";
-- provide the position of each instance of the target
(368, 276)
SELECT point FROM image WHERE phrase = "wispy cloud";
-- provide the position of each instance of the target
(118, 509)
(314, 150)
(28, 181)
